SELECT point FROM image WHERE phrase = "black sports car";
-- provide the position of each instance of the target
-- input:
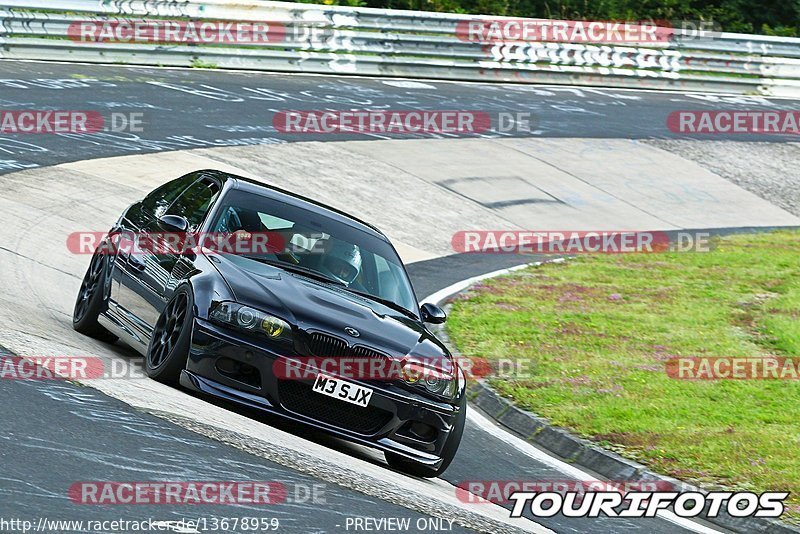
(229, 323)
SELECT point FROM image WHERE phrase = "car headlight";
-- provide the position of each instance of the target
(251, 320)
(437, 381)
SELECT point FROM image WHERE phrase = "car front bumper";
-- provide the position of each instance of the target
(391, 422)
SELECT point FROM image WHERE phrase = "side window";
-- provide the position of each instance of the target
(157, 202)
(195, 202)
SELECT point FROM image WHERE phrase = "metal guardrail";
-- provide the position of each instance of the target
(401, 43)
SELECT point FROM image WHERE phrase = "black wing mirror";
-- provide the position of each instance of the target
(432, 314)
(173, 223)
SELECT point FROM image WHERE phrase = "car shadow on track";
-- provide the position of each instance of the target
(373, 456)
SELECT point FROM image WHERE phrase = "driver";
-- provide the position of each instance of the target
(245, 222)
(242, 223)
(341, 261)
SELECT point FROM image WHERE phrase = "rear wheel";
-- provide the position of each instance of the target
(91, 301)
(410, 467)
(169, 346)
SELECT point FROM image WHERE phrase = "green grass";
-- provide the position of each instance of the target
(198, 63)
(601, 328)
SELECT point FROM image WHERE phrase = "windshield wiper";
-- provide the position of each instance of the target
(298, 269)
(386, 302)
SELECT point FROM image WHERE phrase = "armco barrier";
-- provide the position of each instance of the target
(376, 42)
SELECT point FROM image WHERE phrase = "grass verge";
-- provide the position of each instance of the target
(600, 330)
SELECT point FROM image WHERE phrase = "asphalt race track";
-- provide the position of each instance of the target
(184, 109)
(55, 434)
(112, 442)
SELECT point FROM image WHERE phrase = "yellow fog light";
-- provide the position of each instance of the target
(273, 326)
(413, 372)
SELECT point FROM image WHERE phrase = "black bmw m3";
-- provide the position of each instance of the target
(253, 324)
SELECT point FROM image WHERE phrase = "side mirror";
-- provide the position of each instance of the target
(432, 314)
(173, 223)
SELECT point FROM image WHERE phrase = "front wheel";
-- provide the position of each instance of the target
(91, 301)
(169, 345)
(413, 468)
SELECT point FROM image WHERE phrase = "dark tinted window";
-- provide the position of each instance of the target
(157, 202)
(356, 259)
(195, 201)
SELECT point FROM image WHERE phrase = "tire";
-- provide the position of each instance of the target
(416, 469)
(92, 299)
(169, 345)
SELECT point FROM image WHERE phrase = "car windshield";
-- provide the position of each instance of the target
(309, 243)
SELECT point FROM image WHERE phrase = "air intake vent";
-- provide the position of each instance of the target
(298, 397)
(366, 352)
(326, 346)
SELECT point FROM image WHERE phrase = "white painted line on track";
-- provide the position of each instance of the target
(506, 85)
(464, 284)
(408, 84)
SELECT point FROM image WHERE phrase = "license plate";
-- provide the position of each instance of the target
(339, 389)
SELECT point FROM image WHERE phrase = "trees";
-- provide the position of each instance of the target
(779, 17)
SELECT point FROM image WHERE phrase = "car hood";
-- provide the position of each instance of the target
(312, 305)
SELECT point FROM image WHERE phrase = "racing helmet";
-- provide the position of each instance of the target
(341, 261)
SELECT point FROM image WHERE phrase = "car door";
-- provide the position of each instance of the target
(131, 299)
(171, 266)
(150, 276)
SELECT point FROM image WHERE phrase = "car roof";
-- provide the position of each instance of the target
(293, 199)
